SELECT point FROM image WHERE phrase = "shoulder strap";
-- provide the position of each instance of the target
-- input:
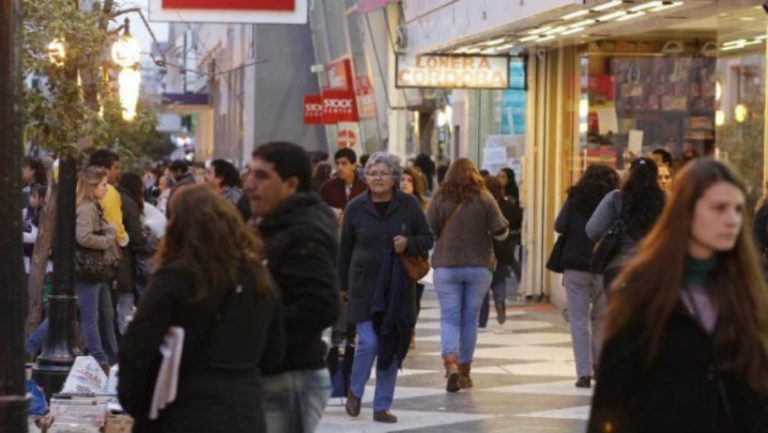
(450, 217)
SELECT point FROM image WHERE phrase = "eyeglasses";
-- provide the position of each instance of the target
(377, 174)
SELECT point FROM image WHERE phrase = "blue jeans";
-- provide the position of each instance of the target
(36, 340)
(97, 320)
(460, 292)
(294, 401)
(586, 307)
(365, 352)
(499, 290)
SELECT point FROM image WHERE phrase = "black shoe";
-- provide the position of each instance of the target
(353, 405)
(584, 382)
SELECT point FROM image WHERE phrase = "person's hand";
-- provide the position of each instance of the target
(343, 297)
(400, 242)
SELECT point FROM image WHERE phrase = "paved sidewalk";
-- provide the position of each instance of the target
(523, 376)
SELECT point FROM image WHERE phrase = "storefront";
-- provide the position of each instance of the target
(609, 80)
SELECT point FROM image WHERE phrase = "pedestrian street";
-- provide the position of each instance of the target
(523, 376)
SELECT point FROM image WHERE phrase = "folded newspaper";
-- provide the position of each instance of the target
(167, 381)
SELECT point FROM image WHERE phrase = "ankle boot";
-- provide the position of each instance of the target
(464, 380)
(451, 373)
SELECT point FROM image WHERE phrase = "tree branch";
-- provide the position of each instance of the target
(116, 14)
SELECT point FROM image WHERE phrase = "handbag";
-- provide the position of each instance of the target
(93, 266)
(416, 266)
(555, 261)
(606, 247)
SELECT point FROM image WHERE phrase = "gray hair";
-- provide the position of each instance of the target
(391, 161)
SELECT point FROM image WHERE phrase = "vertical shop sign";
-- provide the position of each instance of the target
(313, 110)
(366, 102)
(339, 75)
(339, 106)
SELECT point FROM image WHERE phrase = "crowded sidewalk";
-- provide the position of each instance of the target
(523, 380)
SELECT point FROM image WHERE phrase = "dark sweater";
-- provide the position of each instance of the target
(334, 192)
(570, 222)
(301, 238)
(228, 338)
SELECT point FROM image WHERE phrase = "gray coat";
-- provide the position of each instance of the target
(608, 211)
(366, 236)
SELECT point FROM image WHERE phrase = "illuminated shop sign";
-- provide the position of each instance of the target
(453, 71)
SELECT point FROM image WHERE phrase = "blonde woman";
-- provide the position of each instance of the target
(97, 319)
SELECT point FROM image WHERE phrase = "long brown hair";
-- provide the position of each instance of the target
(649, 289)
(87, 182)
(209, 237)
(419, 185)
(462, 181)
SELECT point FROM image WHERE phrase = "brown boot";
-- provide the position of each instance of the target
(451, 373)
(464, 380)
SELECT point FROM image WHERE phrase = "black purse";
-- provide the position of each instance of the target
(555, 261)
(606, 247)
(92, 266)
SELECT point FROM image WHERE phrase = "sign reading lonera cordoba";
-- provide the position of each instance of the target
(453, 72)
(229, 11)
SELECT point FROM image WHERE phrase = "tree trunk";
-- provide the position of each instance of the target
(38, 266)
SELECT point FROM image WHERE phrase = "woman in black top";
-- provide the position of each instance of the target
(210, 282)
(584, 290)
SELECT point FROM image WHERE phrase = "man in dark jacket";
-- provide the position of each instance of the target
(300, 232)
(340, 190)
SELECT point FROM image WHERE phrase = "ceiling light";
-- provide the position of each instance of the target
(491, 50)
(498, 41)
(473, 51)
(631, 16)
(611, 16)
(583, 23)
(648, 5)
(540, 30)
(576, 14)
(556, 30)
(505, 47)
(546, 38)
(608, 5)
(668, 5)
(529, 38)
(761, 37)
(572, 31)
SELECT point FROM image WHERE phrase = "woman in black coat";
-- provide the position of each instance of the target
(131, 189)
(376, 223)
(687, 328)
(211, 283)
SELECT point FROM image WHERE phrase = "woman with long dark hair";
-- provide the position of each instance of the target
(584, 290)
(212, 283)
(508, 182)
(466, 220)
(637, 206)
(686, 344)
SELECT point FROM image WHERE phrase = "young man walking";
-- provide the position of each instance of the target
(300, 233)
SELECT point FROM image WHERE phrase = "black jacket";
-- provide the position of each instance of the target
(301, 238)
(126, 270)
(578, 247)
(365, 239)
(229, 337)
(505, 250)
(680, 391)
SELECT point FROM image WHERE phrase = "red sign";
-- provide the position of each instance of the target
(249, 5)
(339, 75)
(313, 110)
(346, 138)
(366, 102)
(339, 106)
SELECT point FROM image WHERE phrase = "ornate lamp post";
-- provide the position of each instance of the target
(126, 53)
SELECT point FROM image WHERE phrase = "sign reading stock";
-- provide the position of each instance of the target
(339, 106)
(229, 11)
(313, 110)
(453, 71)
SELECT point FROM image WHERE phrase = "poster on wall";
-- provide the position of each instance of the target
(366, 101)
(338, 74)
(229, 11)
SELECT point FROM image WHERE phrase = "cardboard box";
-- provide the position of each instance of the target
(118, 424)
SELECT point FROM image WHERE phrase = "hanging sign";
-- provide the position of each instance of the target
(313, 110)
(339, 106)
(338, 74)
(229, 11)
(453, 71)
(347, 135)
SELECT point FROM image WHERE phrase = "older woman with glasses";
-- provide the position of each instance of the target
(376, 224)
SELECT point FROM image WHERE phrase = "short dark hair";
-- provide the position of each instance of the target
(346, 153)
(179, 166)
(364, 159)
(666, 157)
(38, 190)
(227, 172)
(289, 159)
(38, 168)
(104, 158)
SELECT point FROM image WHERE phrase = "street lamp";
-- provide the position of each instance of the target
(126, 53)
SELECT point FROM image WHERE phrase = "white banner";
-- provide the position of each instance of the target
(453, 71)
